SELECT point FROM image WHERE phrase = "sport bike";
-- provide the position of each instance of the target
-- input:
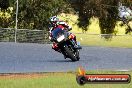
(67, 46)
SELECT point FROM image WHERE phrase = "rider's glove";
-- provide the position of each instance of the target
(50, 38)
(69, 28)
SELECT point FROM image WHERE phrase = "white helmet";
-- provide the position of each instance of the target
(54, 19)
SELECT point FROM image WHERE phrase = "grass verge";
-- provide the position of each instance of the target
(55, 80)
(97, 40)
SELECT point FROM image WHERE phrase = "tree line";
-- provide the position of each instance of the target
(34, 14)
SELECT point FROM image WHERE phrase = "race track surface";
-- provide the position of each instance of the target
(21, 57)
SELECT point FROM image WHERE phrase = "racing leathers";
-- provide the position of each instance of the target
(64, 26)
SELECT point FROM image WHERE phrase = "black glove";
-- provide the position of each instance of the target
(51, 39)
(69, 29)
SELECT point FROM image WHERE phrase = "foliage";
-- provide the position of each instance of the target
(34, 14)
(105, 10)
(4, 4)
(5, 18)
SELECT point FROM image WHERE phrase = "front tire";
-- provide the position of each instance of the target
(77, 54)
(70, 54)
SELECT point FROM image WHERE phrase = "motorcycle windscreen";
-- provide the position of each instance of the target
(57, 32)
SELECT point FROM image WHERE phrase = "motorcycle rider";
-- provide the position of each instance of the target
(56, 23)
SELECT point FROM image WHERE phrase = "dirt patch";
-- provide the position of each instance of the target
(31, 75)
(22, 75)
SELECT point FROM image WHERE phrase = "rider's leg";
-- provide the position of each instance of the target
(73, 37)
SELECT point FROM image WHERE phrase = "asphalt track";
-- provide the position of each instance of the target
(21, 57)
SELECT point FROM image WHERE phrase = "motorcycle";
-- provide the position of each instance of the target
(66, 44)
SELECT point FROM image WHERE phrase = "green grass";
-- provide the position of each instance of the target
(57, 80)
(97, 40)
(93, 28)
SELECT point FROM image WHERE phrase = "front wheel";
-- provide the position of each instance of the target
(77, 54)
(70, 54)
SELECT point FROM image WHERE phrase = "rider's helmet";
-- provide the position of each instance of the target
(54, 20)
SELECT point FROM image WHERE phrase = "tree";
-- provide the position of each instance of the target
(4, 4)
(105, 10)
(34, 14)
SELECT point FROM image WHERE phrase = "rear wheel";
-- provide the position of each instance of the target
(70, 54)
